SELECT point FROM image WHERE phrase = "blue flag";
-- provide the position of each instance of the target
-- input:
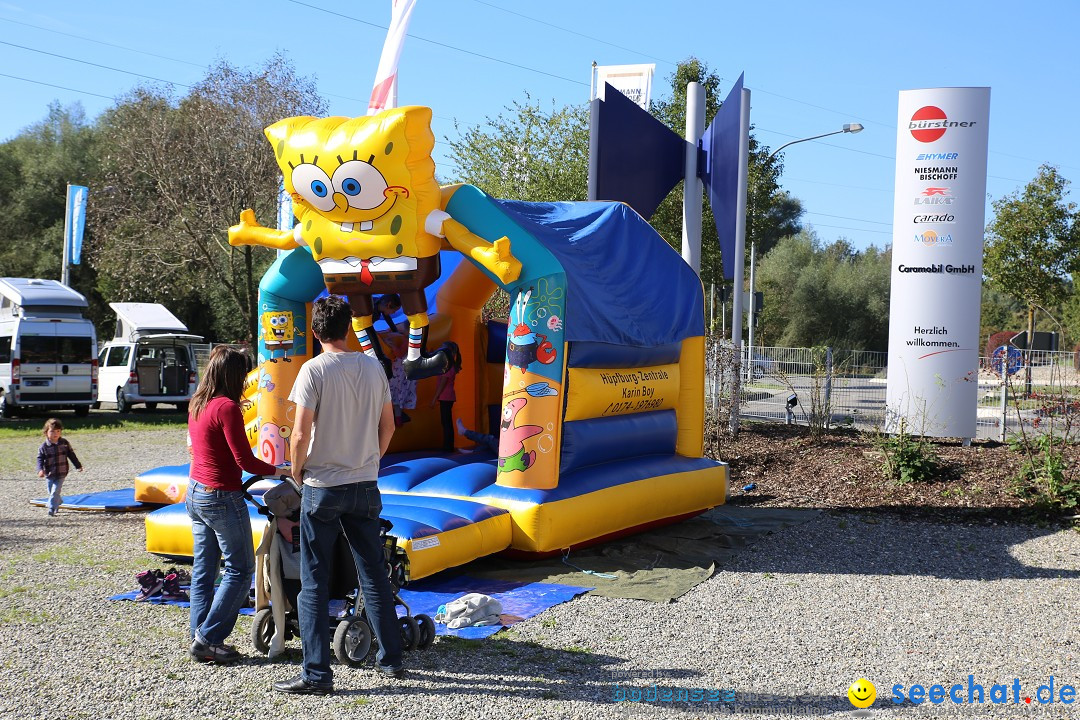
(76, 216)
(721, 172)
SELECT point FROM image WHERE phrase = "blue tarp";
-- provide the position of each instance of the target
(519, 599)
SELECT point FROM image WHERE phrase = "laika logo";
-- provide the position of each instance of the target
(932, 239)
(929, 123)
(935, 196)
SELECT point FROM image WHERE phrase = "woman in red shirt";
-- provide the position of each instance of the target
(215, 502)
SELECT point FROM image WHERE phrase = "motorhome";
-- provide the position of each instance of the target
(48, 350)
(151, 359)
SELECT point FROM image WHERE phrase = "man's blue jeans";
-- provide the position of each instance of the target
(324, 514)
(222, 528)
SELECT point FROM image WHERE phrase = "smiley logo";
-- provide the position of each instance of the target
(862, 693)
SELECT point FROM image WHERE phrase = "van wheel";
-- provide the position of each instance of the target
(182, 407)
(121, 404)
(82, 411)
(151, 406)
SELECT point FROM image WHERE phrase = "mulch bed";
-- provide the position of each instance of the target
(843, 469)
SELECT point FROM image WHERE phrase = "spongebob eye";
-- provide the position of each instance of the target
(313, 184)
(361, 183)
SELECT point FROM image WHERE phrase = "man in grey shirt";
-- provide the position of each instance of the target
(344, 422)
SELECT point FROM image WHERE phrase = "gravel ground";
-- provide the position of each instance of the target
(797, 617)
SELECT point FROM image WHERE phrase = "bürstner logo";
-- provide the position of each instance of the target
(932, 239)
(935, 196)
(929, 123)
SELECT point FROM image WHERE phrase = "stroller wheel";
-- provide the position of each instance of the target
(410, 633)
(352, 641)
(262, 630)
(427, 631)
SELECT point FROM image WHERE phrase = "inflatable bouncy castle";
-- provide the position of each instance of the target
(594, 385)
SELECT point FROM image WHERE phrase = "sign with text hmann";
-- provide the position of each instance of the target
(938, 220)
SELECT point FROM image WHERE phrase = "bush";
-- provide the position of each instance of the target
(907, 458)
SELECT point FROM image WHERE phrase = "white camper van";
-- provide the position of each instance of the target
(48, 350)
(151, 360)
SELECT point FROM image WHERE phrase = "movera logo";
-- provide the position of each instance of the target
(932, 239)
(935, 196)
(929, 123)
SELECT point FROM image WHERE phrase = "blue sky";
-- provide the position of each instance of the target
(811, 66)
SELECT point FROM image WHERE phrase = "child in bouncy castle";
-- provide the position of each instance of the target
(402, 389)
(444, 394)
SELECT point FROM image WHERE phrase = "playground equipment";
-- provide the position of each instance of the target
(595, 387)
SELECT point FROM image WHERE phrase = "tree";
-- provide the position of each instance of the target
(176, 175)
(1033, 243)
(528, 154)
(825, 295)
(35, 169)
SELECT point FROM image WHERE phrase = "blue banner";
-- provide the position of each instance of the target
(76, 216)
(720, 174)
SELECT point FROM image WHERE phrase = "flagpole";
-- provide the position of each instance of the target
(740, 260)
(65, 272)
(695, 126)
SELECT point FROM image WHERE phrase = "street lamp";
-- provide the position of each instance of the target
(847, 128)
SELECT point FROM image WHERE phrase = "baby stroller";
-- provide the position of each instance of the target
(277, 585)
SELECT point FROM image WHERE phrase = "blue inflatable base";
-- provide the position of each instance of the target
(105, 501)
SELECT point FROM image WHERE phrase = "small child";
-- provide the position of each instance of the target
(444, 393)
(52, 461)
(488, 441)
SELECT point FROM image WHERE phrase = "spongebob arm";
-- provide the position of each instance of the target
(250, 232)
(493, 256)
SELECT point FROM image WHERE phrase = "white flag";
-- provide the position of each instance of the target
(383, 95)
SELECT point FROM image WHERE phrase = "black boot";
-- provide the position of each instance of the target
(373, 338)
(426, 365)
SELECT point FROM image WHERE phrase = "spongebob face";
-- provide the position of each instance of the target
(361, 187)
(277, 327)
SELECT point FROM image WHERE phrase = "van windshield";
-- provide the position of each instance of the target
(41, 349)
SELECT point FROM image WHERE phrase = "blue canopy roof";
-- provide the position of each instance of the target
(625, 284)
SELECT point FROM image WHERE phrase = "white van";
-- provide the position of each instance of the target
(151, 360)
(48, 349)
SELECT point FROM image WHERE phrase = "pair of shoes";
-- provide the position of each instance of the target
(299, 686)
(398, 673)
(181, 574)
(220, 654)
(171, 590)
(52, 513)
(150, 584)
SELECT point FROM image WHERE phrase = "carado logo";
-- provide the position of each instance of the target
(929, 123)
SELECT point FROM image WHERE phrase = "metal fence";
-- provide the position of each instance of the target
(1037, 391)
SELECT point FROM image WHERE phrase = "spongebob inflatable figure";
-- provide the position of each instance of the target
(367, 204)
(278, 333)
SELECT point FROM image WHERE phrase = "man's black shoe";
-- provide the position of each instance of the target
(299, 686)
(399, 673)
(221, 654)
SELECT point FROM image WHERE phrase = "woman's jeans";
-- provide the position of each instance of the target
(222, 529)
(326, 512)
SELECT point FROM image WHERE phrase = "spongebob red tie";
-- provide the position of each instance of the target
(365, 274)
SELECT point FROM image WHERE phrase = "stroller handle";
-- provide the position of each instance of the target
(283, 478)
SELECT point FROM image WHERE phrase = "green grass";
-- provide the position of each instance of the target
(74, 557)
(28, 427)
